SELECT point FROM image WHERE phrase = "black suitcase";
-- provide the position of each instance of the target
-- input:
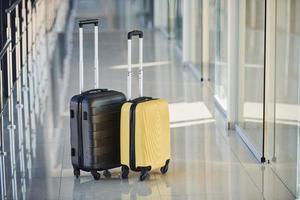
(95, 122)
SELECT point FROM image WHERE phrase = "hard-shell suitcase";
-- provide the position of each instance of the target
(95, 121)
(145, 127)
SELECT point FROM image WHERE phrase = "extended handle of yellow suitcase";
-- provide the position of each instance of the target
(81, 23)
(129, 73)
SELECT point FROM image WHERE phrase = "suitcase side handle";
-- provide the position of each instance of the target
(129, 74)
(96, 59)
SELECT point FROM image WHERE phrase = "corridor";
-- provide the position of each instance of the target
(208, 161)
(205, 162)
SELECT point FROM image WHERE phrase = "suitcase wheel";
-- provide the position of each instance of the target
(76, 172)
(95, 174)
(144, 174)
(125, 172)
(165, 168)
(107, 174)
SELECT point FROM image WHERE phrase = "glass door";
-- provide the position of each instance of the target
(220, 59)
(269, 106)
(285, 141)
(251, 75)
(218, 34)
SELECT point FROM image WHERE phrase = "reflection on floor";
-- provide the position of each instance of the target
(283, 143)
(207, 161)
(188, 114)
(150, 64)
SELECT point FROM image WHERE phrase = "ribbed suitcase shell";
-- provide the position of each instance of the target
(95, 127)
(145, 134)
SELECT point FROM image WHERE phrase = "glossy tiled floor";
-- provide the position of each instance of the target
(207, 161)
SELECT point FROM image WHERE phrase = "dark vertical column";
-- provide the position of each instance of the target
(3, 24)
(263, 158)
(14, 41)
(21, 31)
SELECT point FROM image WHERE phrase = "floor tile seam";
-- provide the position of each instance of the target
(157, 186)
(64, 135)
(62, 165)
(261, 165)
(72, 18)
(231, 149)
(281, 181)
(156, 181)
(218, 162)
(242, 165)
(216, 193)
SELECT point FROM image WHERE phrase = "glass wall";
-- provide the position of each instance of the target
(218, 50)
(282, 83)
(192, 36)
(178, 23)
(252, 71)
(221, 66)
(283, 49)
(285, 144)
(212, 30)
(168, 17)
(198, 35)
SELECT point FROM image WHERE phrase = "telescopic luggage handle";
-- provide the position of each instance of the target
(129, 73)
(135, 33)
(81, 23)
(88, 21)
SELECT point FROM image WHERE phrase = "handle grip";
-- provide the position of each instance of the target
(87, 21)
(135, 33)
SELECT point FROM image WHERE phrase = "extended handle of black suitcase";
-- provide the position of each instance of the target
(81, 23)
(129, 73)
(88, 21)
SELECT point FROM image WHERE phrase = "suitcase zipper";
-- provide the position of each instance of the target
(80, 146)
(132, 130)
(132, 136)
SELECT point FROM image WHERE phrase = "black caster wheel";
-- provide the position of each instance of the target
(144, 174)
(76, 172)
(125, 172)
(165, 168)
(107, 174)
(96, 175)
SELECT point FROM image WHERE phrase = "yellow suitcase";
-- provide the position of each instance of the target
(145, 128)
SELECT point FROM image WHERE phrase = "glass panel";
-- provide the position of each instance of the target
(218, 50)
(212, 30)
(198, 37)
(252, 71)
(164, 17)
(178, 23)
(287, 110)
(221, 66)
(170, 20)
